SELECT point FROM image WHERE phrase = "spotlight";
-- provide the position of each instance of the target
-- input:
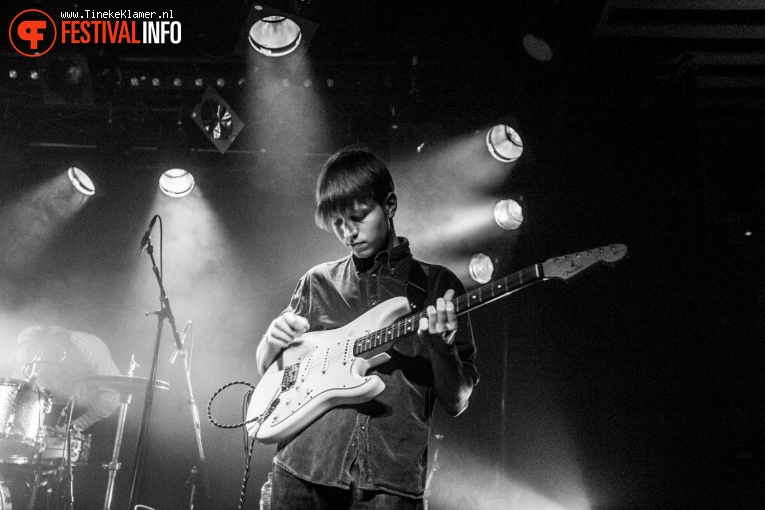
(275, 29)
(508, 214)
(199, 82)
(13, 74)
(504, 143)
(220, 82)
(34, 75)
(81, 181)
(134, 81)
(275, 36)
(176, 183)
(481, 268)
(217, 120)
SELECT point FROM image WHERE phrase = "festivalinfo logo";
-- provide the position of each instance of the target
(34, 32)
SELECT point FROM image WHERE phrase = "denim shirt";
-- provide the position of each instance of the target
(387, 436)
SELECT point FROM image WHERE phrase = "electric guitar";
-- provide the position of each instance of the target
(324, 369)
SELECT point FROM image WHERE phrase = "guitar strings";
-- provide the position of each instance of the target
(410, 324)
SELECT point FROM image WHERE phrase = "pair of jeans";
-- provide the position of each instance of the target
(292, 493)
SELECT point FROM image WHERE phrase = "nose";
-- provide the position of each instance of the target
(350, 230)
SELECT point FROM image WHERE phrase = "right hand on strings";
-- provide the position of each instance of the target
(283, 330)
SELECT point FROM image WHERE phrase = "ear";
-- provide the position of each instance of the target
(390, 204)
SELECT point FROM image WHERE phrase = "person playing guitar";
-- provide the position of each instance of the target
(369, 453)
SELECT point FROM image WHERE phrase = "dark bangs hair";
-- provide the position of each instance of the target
(351, 175)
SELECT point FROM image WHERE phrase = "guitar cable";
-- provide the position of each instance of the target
(235, 425)
(248, 450)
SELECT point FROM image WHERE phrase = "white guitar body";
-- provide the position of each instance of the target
(322, 370)
(317, 372)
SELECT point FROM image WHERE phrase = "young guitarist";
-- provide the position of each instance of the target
(371, 455)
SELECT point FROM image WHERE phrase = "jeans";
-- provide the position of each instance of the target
(292, 493)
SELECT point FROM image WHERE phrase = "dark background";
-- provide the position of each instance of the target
(637, 386)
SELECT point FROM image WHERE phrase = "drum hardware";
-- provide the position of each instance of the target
(126, 385)
(26, 440)
(51, 452)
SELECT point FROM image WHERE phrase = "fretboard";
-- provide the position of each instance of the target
(462, 304)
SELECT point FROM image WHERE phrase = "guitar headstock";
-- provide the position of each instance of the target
(568, 266)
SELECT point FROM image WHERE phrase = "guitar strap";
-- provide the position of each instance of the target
(416, 286)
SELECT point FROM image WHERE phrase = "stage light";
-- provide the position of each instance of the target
(217, 120)
(134, 81)
(34, 75)
(13, 74)
(508, 214)
(481, 268)
(504, 143)
(275, 36)
(220, 82)
(81, 181)
(199, 82)
(176, 183)
(276, 29)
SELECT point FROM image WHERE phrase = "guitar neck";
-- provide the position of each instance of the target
(462, 304)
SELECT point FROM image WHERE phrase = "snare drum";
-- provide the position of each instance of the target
(56, 453)
(23, 408)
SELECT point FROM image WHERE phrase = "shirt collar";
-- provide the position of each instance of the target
(398, 252)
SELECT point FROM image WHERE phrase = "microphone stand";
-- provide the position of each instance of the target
(193, 478)
(163, 313)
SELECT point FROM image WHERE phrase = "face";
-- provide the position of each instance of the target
(365, 229)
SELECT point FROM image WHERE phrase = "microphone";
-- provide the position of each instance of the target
(147, 235)
(186, 328)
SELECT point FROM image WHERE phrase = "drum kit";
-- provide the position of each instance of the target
(37, 454)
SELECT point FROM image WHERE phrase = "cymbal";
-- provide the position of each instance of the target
(125, 383)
